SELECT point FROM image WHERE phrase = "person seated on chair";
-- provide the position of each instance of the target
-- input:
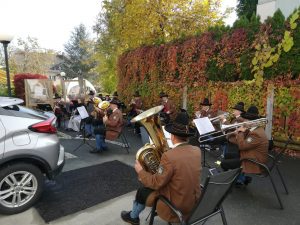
(238, 109)
(205, 110)
(75, 119)
(252, 143)
(113, 121)
(177, 178)
(136, 105)
(169, 111)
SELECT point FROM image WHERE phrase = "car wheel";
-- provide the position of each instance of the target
(21, 186)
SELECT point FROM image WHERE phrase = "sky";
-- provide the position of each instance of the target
(52, 21)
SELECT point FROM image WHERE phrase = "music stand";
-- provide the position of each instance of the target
(83, 114)
(204, 127)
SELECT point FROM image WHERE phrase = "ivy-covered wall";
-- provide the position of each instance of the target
(225, 64)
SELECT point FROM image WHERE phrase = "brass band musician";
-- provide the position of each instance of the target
(176, 179)
(169, 110)
(205, 110)
(136, 105)
(252, 143)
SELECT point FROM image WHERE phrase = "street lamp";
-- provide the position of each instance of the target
(62, 74)
(5, 39)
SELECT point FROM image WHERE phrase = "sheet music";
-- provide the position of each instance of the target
(204, 125)
(168, 137)
(82, 112)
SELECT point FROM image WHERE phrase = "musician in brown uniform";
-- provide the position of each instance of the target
(252, 143)
(169, 110)
(176, 179)
(205, 110)
(113, 121)
(136, 105)
(238, 109)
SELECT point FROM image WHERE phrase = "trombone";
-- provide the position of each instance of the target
(224, 128)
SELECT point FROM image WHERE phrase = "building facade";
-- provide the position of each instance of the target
(266, 8)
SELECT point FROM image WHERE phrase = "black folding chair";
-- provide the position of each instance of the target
(273, 162)
(214, 192)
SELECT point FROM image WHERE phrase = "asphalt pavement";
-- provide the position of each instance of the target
(254, 205)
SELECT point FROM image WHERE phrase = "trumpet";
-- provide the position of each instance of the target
(224, 128)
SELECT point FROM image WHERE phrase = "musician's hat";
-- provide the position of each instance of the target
(239, 106)
(136, 94)
(205, 102)
(163, 94)
(114, 101)
(180, 126)
(251, 114)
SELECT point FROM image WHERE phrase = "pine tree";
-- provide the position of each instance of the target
(79, 49)
(246, 8)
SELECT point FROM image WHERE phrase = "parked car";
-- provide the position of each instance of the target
(29, 153)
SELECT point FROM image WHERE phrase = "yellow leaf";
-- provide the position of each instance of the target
(293, 26)
(254, 61)
(268, 64)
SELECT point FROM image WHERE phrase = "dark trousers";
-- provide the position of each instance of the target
(142, 195)
(231, 161)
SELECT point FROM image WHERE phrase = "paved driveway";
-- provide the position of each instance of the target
(255, 205)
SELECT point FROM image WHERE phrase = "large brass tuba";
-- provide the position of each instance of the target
(149, 156)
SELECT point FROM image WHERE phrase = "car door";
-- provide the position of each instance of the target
(2, 139)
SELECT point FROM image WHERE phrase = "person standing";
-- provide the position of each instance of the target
(176, 179)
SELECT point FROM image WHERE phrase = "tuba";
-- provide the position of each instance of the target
(149, 156)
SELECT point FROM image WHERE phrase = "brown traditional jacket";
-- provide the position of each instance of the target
(114, 125)
(209, 113)
(255, 146)
(178, 179)
(136, 105)
(170, 107)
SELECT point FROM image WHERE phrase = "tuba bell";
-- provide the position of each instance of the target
(150, 154)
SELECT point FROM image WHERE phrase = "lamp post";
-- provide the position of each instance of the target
(5, 40)
(62, 74)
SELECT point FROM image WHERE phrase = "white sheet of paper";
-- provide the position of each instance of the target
(168, 137)
(82, 112)
(204, 125)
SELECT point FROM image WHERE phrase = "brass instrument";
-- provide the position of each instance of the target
(149, 156)
(103, 105)
(224, 128)
(96, 101)
(215, 119)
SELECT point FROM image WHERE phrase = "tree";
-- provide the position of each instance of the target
(246, 8)
(124, 25)
(29, 57)
(79, 49)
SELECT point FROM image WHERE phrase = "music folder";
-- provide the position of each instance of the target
(204, 125)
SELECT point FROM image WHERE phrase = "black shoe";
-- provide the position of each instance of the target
(125, 215)
(247, 180)
(240, 184)
(95, 151)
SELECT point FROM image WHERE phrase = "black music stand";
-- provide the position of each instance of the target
(83, 114)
